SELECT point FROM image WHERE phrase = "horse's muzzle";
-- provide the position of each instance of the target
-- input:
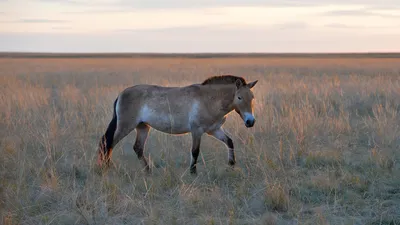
(250, 123)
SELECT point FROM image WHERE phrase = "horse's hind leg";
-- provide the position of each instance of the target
(222, 136)
(122, 130)
(142, 131)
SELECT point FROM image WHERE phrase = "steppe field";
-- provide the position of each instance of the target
(325, 148)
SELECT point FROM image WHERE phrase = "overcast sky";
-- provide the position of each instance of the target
(200, 25)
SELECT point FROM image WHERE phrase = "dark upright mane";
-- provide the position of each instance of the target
(224, 79)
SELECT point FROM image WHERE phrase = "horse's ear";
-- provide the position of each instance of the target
(251, 85)
(239, 83)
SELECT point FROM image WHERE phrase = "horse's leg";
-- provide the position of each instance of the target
(122, 130)
(196, 138)
(106, 141)
(142, 131)
(222, 136)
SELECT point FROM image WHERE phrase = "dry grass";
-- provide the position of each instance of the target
(324, 150)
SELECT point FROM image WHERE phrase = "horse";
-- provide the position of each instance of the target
(197, 109)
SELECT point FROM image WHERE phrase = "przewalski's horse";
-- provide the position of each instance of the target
(196, 109)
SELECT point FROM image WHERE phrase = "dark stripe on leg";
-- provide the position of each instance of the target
(231, 153)
(106, 141)
(229, 142)
(195, 155)
(195, 152)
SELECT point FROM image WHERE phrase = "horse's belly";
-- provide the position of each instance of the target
(169, 126)
(170, 130)
(164, 122)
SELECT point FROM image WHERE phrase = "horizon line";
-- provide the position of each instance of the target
(28, 54)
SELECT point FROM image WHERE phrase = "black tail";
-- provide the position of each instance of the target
(106, 142)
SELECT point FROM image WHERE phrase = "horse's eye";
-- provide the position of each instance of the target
(240, 98)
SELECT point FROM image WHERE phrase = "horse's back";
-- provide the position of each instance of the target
(167, 109)
(152, 90)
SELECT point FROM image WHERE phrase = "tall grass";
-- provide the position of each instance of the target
(324, 149)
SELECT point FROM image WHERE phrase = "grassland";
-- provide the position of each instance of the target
(324, 149)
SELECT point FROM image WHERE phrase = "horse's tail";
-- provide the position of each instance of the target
(106, 142)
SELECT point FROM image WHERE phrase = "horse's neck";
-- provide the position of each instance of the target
(223, 96)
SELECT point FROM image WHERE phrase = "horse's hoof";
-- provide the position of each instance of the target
(193, 171)
(232, 163)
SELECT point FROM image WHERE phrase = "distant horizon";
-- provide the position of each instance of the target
(216, 55)
(198, 53)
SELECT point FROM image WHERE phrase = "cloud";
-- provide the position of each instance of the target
(360, 12)
(216, 30)
(229, 3)
(341, 26)
(37, 21)
(69, 2)
(185, 29)
(291, 26)
(163, 4)
(61, 28)
(174, 4)
(346, 26)
(40, 21)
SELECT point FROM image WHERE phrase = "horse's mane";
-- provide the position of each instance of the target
(224, 79)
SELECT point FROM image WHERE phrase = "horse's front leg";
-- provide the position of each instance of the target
(196, 138)
(222, 136)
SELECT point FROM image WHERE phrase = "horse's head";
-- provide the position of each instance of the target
(244, 102)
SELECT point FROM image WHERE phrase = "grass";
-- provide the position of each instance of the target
(324, 149)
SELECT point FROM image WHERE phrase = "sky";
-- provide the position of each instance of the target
(186, 26)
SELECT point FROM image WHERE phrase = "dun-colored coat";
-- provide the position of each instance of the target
(196, 109)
